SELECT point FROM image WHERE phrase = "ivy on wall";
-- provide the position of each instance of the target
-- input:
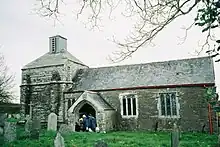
(57, 92)
(28, 92)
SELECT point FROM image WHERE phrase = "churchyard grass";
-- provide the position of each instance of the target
(116, 139)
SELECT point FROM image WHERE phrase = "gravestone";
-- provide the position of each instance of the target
(52, 122)
(28, 125)
(59, 141)
(10, 131)
(175, 135)
(100, 143)
(35, 128)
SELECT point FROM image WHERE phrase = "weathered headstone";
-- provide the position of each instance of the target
(10, 131)
(64, 128)
(100, 143)
(52, 122)
(59, 141)
(35, 129)
(175, 135)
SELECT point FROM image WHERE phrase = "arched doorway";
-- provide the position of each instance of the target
(87, 109)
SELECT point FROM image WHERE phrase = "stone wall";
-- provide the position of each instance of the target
(45, 93)
(42, 75)
(110, 120)
(71, 97)
(193, 110)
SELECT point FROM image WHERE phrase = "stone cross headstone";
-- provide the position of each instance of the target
(52, 122)
(10, 131)
(100, 143)
(59, 141)
(175, 136)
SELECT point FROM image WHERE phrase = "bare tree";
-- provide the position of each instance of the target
(6, 82)
(152, 17)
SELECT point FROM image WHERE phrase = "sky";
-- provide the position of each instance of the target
(24, 36)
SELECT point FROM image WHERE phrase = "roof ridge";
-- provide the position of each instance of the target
(164, 61)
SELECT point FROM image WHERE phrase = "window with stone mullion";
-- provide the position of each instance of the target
(168, 104)
(129, 105)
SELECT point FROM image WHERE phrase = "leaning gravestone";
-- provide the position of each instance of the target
(100, 143)
(52, 122)
(10, 131)
(59, 141)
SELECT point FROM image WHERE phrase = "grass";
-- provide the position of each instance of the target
(117, 139)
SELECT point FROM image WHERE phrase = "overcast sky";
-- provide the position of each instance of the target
(24, 37)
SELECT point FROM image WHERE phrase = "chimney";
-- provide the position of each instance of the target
(57, 44)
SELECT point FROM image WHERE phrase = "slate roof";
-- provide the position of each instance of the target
(175, 72)
(50, 59)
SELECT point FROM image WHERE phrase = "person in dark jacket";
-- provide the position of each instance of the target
(85, 123)
(92, 123)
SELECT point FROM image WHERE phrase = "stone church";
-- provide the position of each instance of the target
(150, 96)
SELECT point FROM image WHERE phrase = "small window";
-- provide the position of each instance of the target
(168, 105)
(69, 103)
(128, 105)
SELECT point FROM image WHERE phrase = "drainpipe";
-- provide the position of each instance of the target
(210, 119)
